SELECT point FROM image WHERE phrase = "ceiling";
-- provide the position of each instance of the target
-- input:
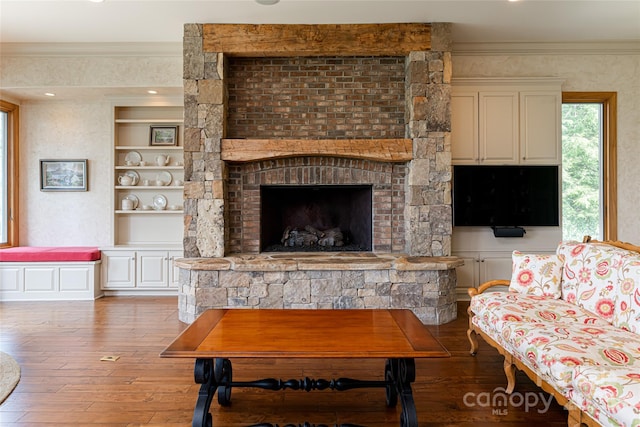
(150, 21)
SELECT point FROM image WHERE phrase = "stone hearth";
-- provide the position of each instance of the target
(425, 285)
(352, 105)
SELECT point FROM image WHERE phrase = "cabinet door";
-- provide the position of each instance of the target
(466, 277)
(498, 127)
(118, 269)
(174, 272)
(540, 130)
(464, 127)
(152, 269)
(495, 269)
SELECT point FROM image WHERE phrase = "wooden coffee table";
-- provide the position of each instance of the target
(220, 335)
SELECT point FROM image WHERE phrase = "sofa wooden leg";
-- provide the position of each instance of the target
(574, 417)
(471, 335)
(510, 372)
(474, 342)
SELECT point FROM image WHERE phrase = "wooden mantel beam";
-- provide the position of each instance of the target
(381, 150)
(269, 40)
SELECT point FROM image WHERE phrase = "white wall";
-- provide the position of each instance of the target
(82, 129)
(585, 72)
(65, 130)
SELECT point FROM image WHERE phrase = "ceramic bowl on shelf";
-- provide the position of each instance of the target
(165, 177)
(132, 158)
(159, 202)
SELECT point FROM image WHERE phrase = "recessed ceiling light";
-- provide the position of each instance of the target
(267, 2)
(152, 92)
(49, 94)
(96, 1)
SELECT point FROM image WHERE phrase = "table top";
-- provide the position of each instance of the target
(290, 333)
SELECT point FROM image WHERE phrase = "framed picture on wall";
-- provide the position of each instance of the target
(63, 175)
(163, 135)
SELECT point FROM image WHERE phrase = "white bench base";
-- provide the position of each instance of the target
(50, 281)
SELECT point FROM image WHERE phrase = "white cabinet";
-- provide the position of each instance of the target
(541, 127)
(63, 280)
(143, 269)
(464, 126)
(506, 121)
(481, 267)
(156, 270)
(118, 269)
(155, 187)
(498, 127)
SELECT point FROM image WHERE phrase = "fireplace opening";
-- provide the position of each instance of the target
(311, 218)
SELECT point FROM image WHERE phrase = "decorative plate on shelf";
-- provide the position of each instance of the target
(134, 199)
(134, 176)
(165, 177)
(133, 158)
(159, 202)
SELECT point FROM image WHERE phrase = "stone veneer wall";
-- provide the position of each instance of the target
(428, 214)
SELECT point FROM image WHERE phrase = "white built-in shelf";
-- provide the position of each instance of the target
(162, 228)
(150, 147)
(177, 168)
(150, 211)
(151, 121)
(149, 187)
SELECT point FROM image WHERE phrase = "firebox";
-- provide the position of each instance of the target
(315, 218)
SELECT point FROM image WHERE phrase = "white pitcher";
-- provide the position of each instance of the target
(162, 160)
(125, 180)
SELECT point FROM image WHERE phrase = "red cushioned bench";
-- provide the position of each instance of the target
(50, 254)
(29, 273)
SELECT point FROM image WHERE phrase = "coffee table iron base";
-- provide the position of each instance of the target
(215, 375)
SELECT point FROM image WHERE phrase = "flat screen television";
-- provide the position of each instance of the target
(505, 196)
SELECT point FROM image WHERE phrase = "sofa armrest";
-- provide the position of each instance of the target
(486, 285)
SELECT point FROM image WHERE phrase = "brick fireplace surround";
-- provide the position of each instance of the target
(318, 105)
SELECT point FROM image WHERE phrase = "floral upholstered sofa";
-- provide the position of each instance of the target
(571, 322)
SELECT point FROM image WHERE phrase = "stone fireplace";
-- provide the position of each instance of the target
(301, 130)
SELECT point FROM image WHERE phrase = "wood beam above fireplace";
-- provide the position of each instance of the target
(269, 40)
(381, 150)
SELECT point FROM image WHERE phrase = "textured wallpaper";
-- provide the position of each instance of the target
(65, 130)
(53, 129)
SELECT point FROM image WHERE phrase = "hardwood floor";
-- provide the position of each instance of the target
(64, 383)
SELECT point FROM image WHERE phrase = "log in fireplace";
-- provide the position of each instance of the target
(316, 218)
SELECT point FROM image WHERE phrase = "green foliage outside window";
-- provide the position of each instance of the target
(581, 171)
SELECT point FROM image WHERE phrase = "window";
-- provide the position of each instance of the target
(9, 125)
(589, 165)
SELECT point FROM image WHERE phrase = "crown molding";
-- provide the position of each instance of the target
(169, 49)
(630, 47)
(174, 49)
(507, 82)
